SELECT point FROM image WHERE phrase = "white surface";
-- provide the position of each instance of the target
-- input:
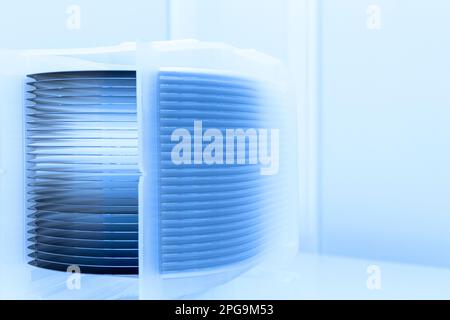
(321, 277)
(27, 282)
(308, 277)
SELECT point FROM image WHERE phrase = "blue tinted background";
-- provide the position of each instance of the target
(42, 24)
(373, 105)
(384, 161)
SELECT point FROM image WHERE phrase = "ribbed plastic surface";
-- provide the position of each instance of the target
(211, 216)
(82, 173)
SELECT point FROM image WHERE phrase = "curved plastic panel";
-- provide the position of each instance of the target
(211, 207)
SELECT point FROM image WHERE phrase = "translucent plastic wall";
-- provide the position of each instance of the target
(202, 221)
(12, 240)
(14, 200)
(74, 169)
(285, 29)
(11, 158)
